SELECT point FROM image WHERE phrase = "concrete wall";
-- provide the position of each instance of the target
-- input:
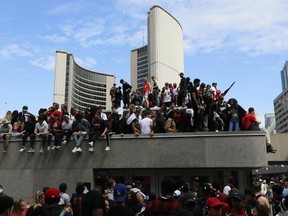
(279, 142)
(23, 173)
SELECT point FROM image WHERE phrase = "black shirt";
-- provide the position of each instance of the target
(120, 211)
(98, 125)
(126, 86)
(91, 201)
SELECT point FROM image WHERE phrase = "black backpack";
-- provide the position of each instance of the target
(76, 204)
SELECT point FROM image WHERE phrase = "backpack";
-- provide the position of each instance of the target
(77, 203)
(132, 202)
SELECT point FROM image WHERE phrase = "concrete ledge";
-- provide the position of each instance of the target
(279, 141)
(218, 154)
(181, 150)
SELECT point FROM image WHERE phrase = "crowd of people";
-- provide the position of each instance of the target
(193, 198)
(188, 107)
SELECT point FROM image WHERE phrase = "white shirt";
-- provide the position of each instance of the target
(213, 89)
(67, 126)
(131, 118)
(41, 128)
(175, 91)
(64, 199)
(104, 116)
(190, 112)
(119, 111)
(226, 189)
(145, 125)
(167, 95)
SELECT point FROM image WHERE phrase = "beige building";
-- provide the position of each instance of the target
(139, 64)
(165, 53)
(78, 87)
(280, 110)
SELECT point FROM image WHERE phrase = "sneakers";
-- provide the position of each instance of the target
(31, 150)
(74, 150)
(4, 151)
(53, 147)
(41, 150)
(48, 148)
(64, 142)
(91, 143)
(22, 149)
(58, 148)
(79, 149)
(110, 133)
(107, 148)
(270, 149)
(91, 149)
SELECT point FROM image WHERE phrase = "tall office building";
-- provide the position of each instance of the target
(78, 87)
(139, 63)
(284, 76)
(281, 112)
(269, 120)
(165, 53)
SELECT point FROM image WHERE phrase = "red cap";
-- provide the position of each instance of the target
(52, 193)
(213, 202)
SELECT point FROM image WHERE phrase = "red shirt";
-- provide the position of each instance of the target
(163, 207)
(247, 120)
(233, 213)
(51, 114)
(146, 87)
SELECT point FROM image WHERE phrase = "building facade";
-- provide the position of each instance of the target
(165, 50)
(269, 120)
(281, 112)
(78, 87)
(139, 64)
(284, 76)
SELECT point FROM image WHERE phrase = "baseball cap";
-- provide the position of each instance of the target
(66, 116)
(5, 121)
(189, 199)
(185, 187)
(101, 176)
(120, 193)
(195, 179)
(251, 109)
(52, 193)
(56, 104)
(213, 202)
(238, 196)
(25, 107)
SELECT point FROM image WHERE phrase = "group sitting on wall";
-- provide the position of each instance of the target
(190, 107)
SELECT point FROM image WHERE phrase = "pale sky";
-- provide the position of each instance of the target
(224, 41)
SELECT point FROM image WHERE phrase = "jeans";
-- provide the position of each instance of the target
(6, 139)
(94, 135)
(78, 138)
(32, 139)
(57, 138)
(234, 124)
(66, 135)
(156, 97)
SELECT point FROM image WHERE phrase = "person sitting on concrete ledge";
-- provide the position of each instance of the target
(99, 129)
(80, 128)
(29, 127)
(5, 133)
